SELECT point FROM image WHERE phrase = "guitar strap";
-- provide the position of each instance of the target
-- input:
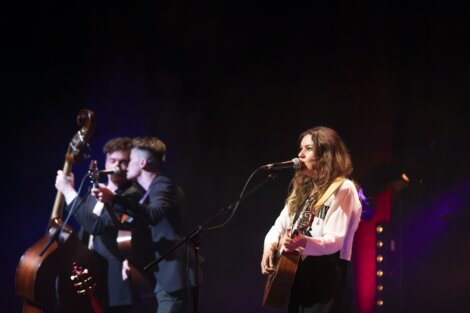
(331, 190)
(300, 209)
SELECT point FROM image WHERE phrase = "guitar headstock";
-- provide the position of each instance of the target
(303, 222)
(93, 173)
(75, 153)
(82, 280)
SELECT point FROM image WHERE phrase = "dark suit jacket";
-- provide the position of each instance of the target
(163, 211)
(104, 229)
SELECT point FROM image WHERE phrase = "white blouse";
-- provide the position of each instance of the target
(329, 233)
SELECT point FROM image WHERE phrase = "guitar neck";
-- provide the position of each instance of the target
(95, 304)
(59, 198)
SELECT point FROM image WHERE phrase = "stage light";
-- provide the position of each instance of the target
(384, 176)
(381, 255)
(405, 177)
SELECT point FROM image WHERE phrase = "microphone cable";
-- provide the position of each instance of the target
(234, 206)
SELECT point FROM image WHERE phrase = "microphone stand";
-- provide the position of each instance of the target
(194, 234)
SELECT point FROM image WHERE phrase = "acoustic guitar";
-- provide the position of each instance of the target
(134, 244)
(130, 230)
(279, 283)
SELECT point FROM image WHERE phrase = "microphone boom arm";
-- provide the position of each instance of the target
(195, 232)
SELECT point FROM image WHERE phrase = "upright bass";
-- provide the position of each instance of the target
(43, 272)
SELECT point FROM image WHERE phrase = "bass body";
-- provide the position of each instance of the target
(44, 281)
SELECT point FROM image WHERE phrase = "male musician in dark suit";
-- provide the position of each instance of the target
(99, 226)
(161, 206)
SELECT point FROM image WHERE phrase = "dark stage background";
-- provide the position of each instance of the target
(229, 87)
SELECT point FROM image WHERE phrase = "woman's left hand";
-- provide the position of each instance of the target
(290, 244)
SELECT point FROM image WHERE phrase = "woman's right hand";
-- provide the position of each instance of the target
(267, 262)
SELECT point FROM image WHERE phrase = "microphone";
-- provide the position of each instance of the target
(113, 171)
(294, 163)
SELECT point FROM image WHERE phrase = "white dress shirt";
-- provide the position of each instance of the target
(332, 229)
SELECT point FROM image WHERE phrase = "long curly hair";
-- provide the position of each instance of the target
(333, 161)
